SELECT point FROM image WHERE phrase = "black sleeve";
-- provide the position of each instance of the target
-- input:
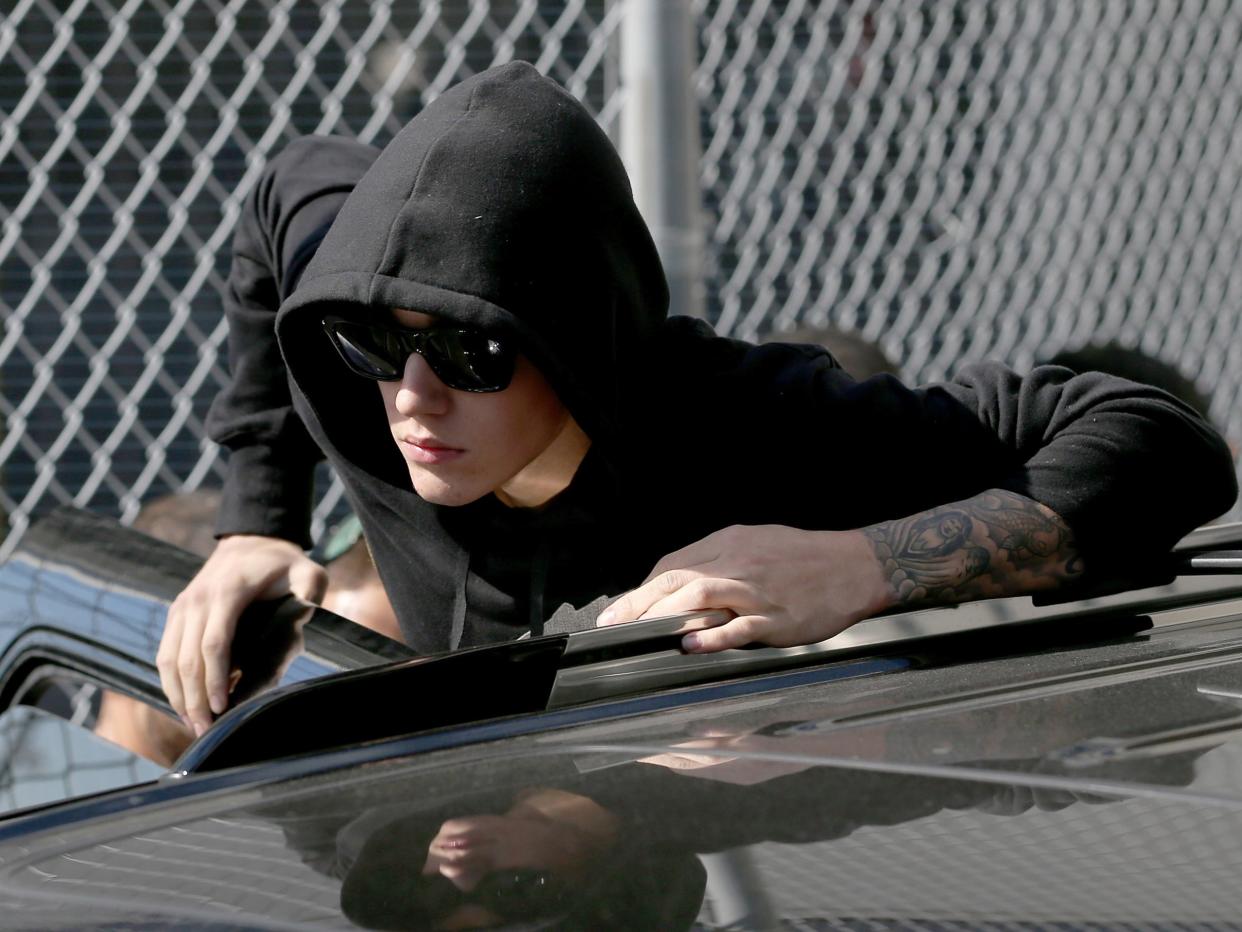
(1128, 467)
(269, 481)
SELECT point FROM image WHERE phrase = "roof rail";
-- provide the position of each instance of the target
(416, 694)
(561, 670)
(1212, 537)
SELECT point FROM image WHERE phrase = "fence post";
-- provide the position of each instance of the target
(660, 139)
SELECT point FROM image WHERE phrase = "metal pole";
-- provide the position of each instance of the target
(736, 891)
(660, 139)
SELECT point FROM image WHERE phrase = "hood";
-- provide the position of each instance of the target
(504, 205)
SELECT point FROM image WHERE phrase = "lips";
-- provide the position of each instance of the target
(429, 443)
(428, 451)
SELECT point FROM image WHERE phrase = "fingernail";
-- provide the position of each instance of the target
(217, 704)
(605, 617)
(199, 729)
(691, 642)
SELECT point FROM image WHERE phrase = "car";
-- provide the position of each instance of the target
(1070, 762)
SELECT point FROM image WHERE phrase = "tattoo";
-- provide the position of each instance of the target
(997, 543)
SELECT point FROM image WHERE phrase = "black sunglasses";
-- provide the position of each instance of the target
(462, 358)
(521, 894)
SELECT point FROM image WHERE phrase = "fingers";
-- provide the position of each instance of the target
(682, 591)
(675, 572)
(766, 625)
(194, 653)
(180, 659)
(216, 650)
(166, 660)
(662, 592)
(707, 592)
(203, 660)
(462, 851)
(308, 581)
(743, 630)
(189, 672)
(697, 554)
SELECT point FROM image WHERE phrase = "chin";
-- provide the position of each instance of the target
(439, 492)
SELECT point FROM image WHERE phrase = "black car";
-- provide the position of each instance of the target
(1005, 765)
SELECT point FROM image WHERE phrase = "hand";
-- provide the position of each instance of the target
(549, 830)
(193, 658)
(785, 586)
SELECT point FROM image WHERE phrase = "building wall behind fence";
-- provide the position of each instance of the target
(958, 180)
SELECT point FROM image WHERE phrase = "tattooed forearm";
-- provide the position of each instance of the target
(997, 543)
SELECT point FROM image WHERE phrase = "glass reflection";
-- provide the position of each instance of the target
(618, 846)
(122, 720)
(544, 856)
(45, 758)
(140, 728)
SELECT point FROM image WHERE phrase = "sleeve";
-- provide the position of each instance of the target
(1129, 468)
(269, 477)
(794, 440)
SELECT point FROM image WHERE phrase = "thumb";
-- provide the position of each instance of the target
(308, 581)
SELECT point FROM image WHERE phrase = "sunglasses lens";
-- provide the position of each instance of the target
(469, 360)
(369, 351)
(519, 894)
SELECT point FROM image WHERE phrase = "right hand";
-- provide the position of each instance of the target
(193, 658)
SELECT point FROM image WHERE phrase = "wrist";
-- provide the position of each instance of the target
(870, 587)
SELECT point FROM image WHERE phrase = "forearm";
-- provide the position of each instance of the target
(787, 586)
(269, 486)
(997, 543)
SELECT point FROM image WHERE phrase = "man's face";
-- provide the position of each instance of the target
(459, 446)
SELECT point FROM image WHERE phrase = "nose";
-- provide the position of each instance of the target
(421, 390)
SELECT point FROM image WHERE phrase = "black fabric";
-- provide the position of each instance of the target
(272, 458)
(504, 205)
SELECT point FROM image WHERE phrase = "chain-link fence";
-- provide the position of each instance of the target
(957, 180)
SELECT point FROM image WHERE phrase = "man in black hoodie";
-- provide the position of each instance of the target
(542, 435)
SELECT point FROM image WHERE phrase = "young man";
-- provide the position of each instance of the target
(480, 347)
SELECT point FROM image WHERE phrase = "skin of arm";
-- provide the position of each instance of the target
(788, 587)
(996, 544)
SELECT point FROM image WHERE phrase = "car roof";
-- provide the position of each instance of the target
(956, 766)
(1080, 780)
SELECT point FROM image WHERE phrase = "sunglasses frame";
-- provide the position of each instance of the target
(420, 337)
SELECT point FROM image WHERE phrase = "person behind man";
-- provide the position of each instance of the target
(473, 329)
(354, 589)
(183, 519)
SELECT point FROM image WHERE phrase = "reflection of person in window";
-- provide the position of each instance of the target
(547, 856)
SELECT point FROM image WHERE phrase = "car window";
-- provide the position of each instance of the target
(47, 759)
(66, 736)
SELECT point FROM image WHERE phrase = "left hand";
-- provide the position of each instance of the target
(785, 586)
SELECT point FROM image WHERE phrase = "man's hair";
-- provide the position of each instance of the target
(185, 519)
(1135, 365)
(857, 355)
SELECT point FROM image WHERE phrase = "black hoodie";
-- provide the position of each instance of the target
(504, 205)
